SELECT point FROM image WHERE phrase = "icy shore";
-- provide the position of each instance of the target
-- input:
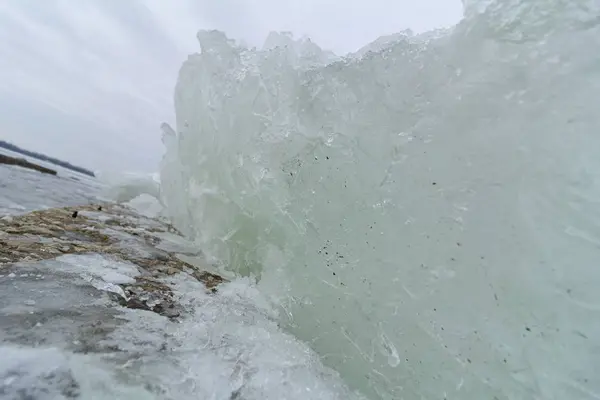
(97, 302)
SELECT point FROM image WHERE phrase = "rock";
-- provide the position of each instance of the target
(39, 230)
(210, 280)
(135, 303)
(167, 309)
(113, 231)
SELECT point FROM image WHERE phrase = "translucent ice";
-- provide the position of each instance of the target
(425, 213)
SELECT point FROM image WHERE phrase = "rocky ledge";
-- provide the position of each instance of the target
(107, 239)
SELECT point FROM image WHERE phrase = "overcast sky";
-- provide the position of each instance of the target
(90, 81)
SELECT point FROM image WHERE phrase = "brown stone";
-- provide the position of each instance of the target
(50, 233)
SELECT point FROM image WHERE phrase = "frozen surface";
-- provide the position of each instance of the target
(426, 213)
(231, 347)
(60, 339)
(101, 272)
(23, 190)
(52, 374)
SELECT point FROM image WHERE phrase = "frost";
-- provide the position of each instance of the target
(230, 347)
(99, 269)
(50, 373)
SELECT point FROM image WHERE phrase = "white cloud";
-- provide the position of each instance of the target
(91, 81)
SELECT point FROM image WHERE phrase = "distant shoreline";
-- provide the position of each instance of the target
(23, 163)
(42, 157)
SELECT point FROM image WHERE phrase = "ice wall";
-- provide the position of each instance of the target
(426, 214)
